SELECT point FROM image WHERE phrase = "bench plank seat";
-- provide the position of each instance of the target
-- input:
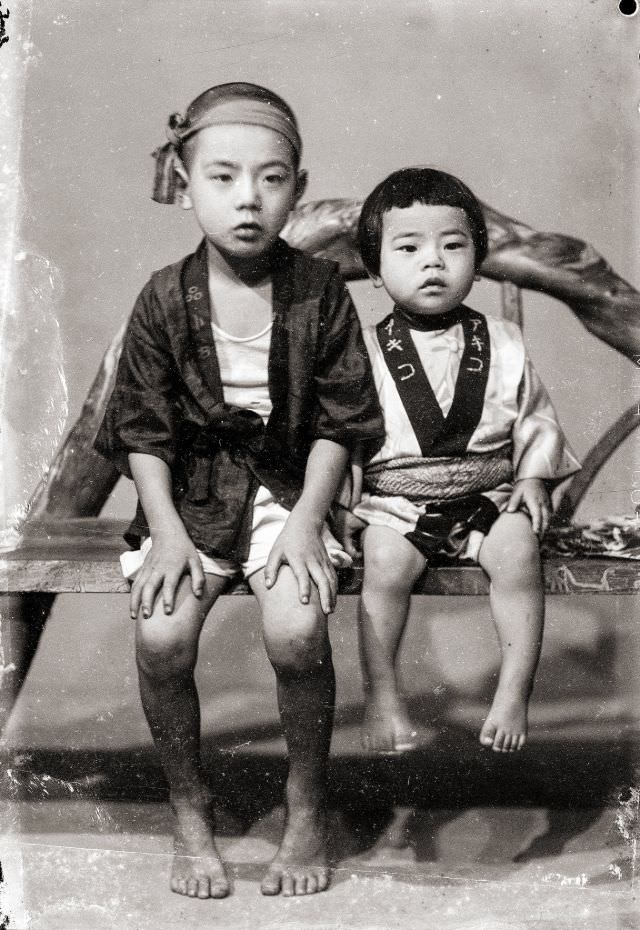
(81, 556)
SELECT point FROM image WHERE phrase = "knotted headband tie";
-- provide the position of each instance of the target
(241, 110)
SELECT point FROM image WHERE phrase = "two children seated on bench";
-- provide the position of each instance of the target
(243, 390)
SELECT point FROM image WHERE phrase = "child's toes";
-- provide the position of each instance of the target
(488, 733)
(498, 741)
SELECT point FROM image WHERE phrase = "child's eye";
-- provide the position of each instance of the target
(275, 179)
(455, 245)
(406, 248)
(222, 177)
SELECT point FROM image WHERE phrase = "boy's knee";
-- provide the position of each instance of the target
(298, 646)
(162, 653)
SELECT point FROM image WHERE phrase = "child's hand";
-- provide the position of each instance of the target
(171, 556)
(347, 528)
(531, 494)
(300, 546)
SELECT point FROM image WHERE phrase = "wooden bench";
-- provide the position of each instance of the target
(80, 556)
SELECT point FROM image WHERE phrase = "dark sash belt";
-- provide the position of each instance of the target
(445, 527)
(238, 432)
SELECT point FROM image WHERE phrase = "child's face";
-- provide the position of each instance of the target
(242, 184)
(427, 257)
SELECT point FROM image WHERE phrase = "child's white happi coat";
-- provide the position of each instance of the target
(516, 415)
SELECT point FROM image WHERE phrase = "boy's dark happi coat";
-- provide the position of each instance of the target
(168, 399)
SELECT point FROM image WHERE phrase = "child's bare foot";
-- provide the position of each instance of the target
(387, 727)
(505, 729)
(300, 865)
(197, 869)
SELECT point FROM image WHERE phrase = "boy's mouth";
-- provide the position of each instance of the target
(247, 230)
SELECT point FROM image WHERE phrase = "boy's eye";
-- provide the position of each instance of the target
(275, 179)
(406, 248)
(455, 244)
(221, 176)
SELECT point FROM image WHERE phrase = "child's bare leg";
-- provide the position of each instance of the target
(511, 558)
(166, 653)
(297, 643)
(392, 565)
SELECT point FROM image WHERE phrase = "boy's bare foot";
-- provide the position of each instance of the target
(197, 869)
(387, 727)
(300, 865)
(505, 729)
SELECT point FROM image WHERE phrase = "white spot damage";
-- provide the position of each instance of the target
(628, 824)
(33, 388)
(556, 878)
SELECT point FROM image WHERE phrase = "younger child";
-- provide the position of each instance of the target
(243, 384)
(472, 447)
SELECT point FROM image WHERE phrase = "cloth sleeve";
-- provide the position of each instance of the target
(540, 449)
(141, 415)
(347, 406)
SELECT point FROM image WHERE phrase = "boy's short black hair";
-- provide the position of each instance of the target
(417, 185)
(233, 91)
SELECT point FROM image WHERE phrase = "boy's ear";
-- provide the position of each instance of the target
(376, 280)
(301, 184)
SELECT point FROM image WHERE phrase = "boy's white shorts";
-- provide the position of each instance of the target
(269, 519)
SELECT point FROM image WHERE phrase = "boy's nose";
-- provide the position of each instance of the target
(247, 194)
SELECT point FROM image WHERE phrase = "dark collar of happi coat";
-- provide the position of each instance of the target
(438, 435)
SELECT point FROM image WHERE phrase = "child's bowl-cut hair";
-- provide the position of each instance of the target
(417, 185)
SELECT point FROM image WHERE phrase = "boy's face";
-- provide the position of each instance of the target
(242, 184)
(427, 257)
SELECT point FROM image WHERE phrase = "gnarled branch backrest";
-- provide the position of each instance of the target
(80, 481)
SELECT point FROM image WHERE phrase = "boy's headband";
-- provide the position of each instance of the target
(242, 110)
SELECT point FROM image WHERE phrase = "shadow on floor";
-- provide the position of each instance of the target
(574, 781)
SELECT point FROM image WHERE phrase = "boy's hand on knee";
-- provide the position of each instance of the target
(300, 546)
(170, 557)
(531, 494)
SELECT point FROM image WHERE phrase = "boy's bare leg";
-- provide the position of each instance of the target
(511, 558)
(166, 653)
(297, 643)
(392, 565)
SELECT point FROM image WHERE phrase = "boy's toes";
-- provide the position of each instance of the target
(219, 888)
(323, 879)
(271, 883)
(288, 886)
(488, 733)
(300, 884)
(204, 888)
(192, 887)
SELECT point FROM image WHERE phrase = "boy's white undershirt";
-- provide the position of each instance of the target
(244, 369)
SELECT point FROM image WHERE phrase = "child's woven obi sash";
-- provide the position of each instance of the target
(438, 479)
